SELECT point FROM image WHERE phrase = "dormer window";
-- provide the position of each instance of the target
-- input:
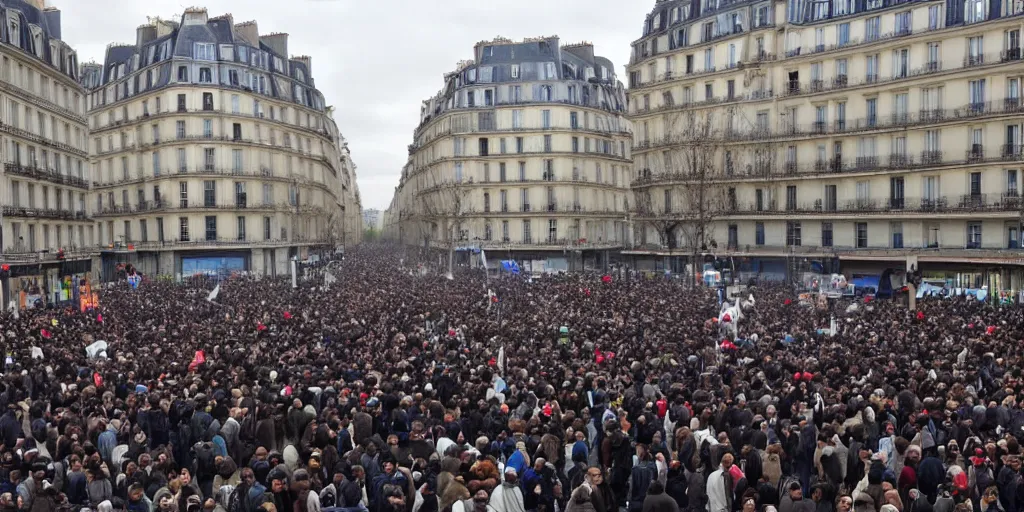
(299, 75)
(15, 33)
(37, 39)
(205, 51)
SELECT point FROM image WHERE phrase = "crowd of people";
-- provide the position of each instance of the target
(388, 388)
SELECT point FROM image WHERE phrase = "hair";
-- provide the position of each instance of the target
(656, 487)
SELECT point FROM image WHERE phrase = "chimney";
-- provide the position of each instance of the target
(145, 34)
(276, 41)
(307, 61)
(51, 15)
(248, 32)
(195, 16)
(583, 50)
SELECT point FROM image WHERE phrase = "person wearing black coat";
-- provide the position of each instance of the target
(657, 500)
(675, 485)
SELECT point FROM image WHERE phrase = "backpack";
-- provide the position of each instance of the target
(205, 459)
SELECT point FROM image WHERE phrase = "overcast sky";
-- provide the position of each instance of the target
(376, 60)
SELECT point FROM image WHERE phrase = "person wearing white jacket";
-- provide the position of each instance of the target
(508, 497)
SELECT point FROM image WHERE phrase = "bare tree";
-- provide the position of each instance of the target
(441, 210)
(693, 166)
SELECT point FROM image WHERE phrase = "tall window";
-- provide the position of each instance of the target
(208, 159)
(211, 227)
(975, 50)
(209, 193)
(241, 227)
(861, 234)
(183, 229)
(793, 234)
(872, 28)
(182, 194)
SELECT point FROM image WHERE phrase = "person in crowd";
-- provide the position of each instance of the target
(406, 391)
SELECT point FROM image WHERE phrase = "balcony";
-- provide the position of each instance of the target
(900, 161)
(552, 207)
(1012, 200)
(933, 157)
(1012, 152)
(790, 167)
(974, 60)
(975, 154)
(1010, 54)
(49, 175)
(896, 203)
(866, 162)
(43, 213)
(972, 201)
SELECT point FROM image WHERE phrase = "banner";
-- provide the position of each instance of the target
(483, 258)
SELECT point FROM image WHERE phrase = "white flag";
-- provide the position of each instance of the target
(213, 295)
(501, 360)
(483, 258)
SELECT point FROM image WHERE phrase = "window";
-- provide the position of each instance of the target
(975, 51)
(266, 228)
(791, 197)
(205, 51)
(552, 230)
(871, 63)
(974, 235)
(208, 159)
(903, 23)
(205, 77)
(975, 11)
(236, 160)
(183, 73)
(861, 234)
(900, 63)
(872, 28)
(1011, 183)
(181, 103)
(547, 143)
(183, 229)
(241, 227)
(519, 144)
(935, 17)
(759, 233)
(182, 161)
(897, 234)
(545, 119)
(182, 194)
(933, 58)
(156, 163)
(179, 130)
(793, 234)
(826, 234)
(976, 91)
(974, 183)
(207, 101)
(211, 227)
(871, 105)
(209, 193)
(504, 231)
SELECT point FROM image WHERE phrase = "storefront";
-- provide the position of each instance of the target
(44, 284)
